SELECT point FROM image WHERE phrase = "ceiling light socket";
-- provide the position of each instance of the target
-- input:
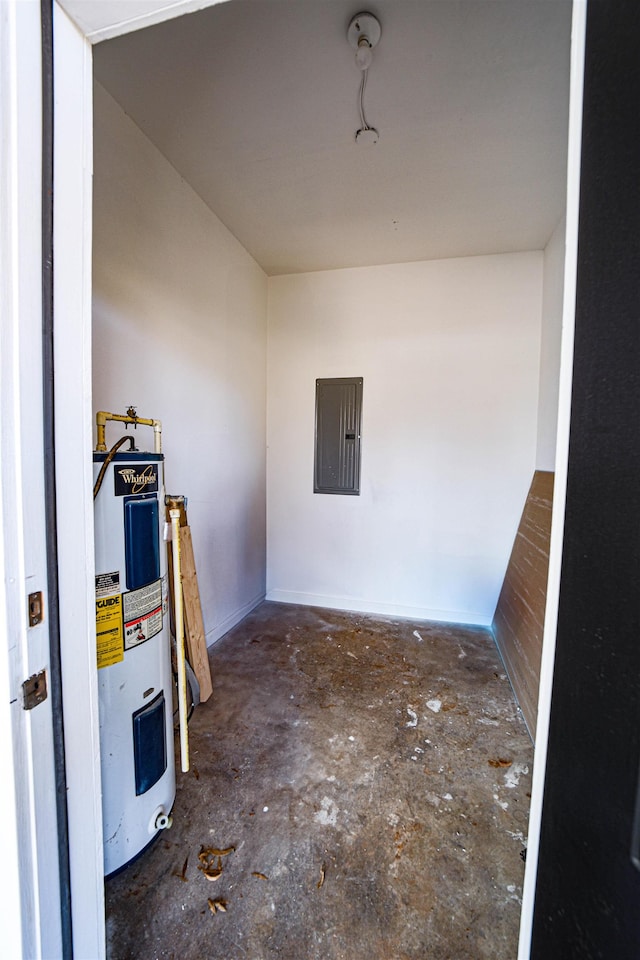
(364, 26)
(367, 136)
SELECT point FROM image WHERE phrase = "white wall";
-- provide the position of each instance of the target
(180, 332)
(552, 296)
(450, 355)
(449, 351)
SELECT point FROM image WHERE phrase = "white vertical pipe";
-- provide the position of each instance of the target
(179, 624)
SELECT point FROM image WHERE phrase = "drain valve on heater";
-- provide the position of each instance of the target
(161, 820)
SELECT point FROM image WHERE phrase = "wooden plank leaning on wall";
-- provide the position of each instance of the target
(195, 639)
(518, 622)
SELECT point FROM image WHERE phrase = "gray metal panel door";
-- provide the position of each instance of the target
(337, 447)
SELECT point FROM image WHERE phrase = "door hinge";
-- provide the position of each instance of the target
(34, 690)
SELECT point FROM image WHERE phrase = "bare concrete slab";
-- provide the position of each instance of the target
(373, 776)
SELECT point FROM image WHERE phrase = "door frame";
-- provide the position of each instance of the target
(73, 149)
(32, 802)
(73, 133)
(574, 143)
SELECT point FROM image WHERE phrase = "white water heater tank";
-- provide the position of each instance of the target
(133, 654)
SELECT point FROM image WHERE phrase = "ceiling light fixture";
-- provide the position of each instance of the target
(363, 34)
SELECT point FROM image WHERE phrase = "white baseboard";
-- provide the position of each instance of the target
(229, 622)
(383, 609)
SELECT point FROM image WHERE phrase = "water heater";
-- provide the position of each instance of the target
(133, 650)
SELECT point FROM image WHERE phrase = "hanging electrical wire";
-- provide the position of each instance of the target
(363, 34)
(363, 84)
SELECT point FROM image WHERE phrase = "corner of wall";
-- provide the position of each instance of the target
(180, 329)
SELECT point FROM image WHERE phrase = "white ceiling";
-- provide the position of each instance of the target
(254, 102)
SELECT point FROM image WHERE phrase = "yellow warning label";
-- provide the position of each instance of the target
(109, 635)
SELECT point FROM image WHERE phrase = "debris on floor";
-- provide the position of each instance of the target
(217, 906)
(211, 861)
(408, 860)
(182, 875)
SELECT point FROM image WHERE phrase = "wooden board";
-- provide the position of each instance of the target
(518, 622)
(193, 623)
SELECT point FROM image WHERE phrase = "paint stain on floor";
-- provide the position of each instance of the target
(374, 789)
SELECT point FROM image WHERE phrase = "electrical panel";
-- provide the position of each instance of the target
(337, 438)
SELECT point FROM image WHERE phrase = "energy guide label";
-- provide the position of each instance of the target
(142, 610)
(109, 648)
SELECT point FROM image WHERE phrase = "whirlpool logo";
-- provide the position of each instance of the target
(131, 481)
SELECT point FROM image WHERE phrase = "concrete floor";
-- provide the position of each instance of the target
(373, 776)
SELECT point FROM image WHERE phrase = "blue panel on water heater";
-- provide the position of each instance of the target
(142, 541)
(149, 745)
